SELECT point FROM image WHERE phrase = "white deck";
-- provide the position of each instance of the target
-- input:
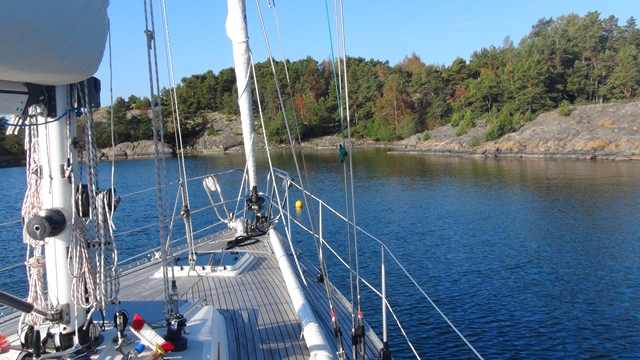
(260, 321)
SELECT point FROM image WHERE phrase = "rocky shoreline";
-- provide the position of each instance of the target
(606, 132)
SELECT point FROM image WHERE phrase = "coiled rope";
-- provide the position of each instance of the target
(99, 229)
(35, 271)
(31, 205)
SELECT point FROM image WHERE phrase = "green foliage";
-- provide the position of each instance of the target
(426, 136)
(276, 129)
(142, 104)
(380, 130)
(409, 126)
(583, 59)
(625, 78)
(576, 59)
(520, 119)
(475, 142)
(499, 126)
(211, 131)
(565, 108)
(466, 124)
(456, 118)
(11, 145)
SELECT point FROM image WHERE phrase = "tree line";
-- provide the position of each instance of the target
(571, 59)
(568, 60)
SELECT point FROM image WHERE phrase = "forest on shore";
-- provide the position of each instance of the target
(569, 60)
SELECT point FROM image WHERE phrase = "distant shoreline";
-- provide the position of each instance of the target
(590, 132)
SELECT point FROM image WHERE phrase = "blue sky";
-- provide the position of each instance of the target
(437, 31)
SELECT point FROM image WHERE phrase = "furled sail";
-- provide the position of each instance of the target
(237, 31)
(52, 42)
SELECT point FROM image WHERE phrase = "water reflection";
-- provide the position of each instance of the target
(530, 258)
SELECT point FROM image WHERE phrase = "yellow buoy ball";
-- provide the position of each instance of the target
(298, 204)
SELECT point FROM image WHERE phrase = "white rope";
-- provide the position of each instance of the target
(35, 271)
(31, 205)
(105, 200)
(84, 291)
(92, 228)
(92, 285)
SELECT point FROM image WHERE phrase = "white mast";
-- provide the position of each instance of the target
(57, 193)
(237, 31)
(37, 52)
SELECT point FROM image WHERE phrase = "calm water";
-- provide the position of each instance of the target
(528, 258)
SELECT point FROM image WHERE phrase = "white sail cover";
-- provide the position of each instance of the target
(52, 42)
(237, 31)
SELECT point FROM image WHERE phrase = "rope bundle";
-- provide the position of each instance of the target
(31, 205)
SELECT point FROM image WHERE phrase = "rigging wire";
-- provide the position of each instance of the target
(337, 331)
(326, 280)
(375, 291)
(178, 137)
(312, 217)
(339, 64)
(277, 85)
(112, 118)
(10, 222)
(353, 201)
(161, 200)
(404, 270)
(359, 334)
(160, 126)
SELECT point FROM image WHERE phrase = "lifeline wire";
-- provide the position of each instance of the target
(286, 123)
(312, 219)
(404, 270)
(322, 263)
